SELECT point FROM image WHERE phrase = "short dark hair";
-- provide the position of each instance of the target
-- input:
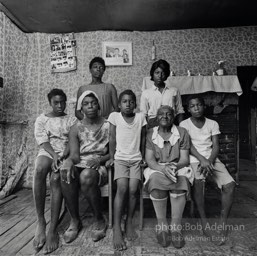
(195, 96)
(128, 92)
(55, 92)
(163, 64)
(97, 59)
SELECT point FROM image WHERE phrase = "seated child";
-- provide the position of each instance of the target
(204, 161)
(126, 146)
(51, 133)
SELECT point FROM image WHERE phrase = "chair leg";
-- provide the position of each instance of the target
(141, 206)
(110, 196)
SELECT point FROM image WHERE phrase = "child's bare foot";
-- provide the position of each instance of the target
(131, 233)
(118, 242)
(52, 241)
(40, 235)
(222, 232)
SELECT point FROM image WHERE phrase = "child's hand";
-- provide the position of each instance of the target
(109, 163)
(56, 163)
(67, 171)
(206, 167)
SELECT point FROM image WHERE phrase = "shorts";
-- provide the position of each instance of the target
(127, 169)
(43, 152)
(221, 176)
(103, 175)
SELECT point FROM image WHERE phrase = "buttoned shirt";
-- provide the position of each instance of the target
(152, 99)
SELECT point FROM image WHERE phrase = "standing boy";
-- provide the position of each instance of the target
(106, 92)
(204, 161)
(126, 146)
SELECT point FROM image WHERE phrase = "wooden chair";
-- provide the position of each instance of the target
(106, 191)
(143, 194)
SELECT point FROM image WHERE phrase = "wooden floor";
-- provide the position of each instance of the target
(18, 223)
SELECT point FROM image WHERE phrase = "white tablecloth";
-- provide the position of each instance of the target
(200, 84)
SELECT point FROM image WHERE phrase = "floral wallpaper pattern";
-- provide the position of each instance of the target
(28, 79)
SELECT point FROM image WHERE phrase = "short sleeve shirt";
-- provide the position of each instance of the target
(152, 99)
(168, 151)
(128, 136)
(201, 137)
(54, 130)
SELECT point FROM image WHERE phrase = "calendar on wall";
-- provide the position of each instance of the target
(63, 53)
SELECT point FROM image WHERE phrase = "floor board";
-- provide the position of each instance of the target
(18, 224)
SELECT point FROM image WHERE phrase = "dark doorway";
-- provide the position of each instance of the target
(247, 103)
(247, 116)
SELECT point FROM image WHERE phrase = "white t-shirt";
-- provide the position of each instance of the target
(128, 136)
(201, 137)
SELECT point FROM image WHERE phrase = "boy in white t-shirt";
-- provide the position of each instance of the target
(204, 162)
(127, 147)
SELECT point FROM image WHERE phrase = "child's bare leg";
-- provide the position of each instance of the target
(198, 190)
(122, 189)
(43, 165)
(71, 195)
(52, 238)
(227, 195)
(130, 231)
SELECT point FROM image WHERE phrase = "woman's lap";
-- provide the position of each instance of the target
(158, 181)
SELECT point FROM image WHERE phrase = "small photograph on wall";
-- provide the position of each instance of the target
(117, 53)
(63, 53)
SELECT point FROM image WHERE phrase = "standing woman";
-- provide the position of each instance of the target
(160, 94)
(51, 133)
(106, 93)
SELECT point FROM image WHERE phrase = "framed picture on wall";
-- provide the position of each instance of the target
(117, 53)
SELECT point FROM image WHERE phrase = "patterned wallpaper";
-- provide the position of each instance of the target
(13, 57)
(27, 69)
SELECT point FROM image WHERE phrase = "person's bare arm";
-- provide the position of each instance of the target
(112, 145)
(215, 148)
(114, 99)
(78, 113)
(151, 160)
(183, 159)
(67, 170)
(142, 142)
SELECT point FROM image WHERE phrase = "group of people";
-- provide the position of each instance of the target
(108, 131)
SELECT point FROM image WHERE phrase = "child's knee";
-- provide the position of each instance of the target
(133, 192)
(122, 190)
(229, 188)
(41, 170)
